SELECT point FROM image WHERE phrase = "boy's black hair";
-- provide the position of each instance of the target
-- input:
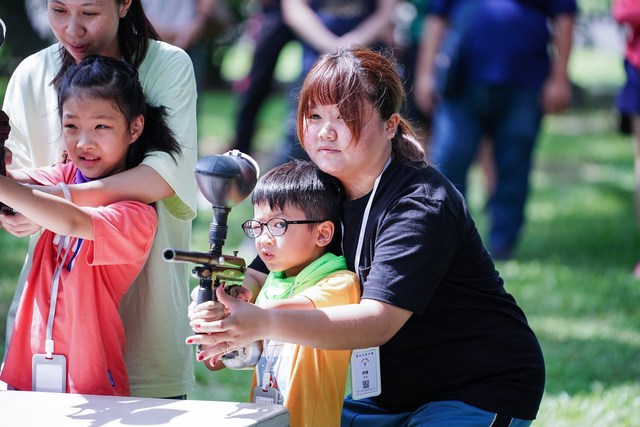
(301, 184)
(105, 78)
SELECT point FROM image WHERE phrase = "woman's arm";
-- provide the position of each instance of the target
(362, 325)
(51, 212)
(295, 303)
(141, 184)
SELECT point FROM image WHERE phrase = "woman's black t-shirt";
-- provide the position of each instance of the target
(467, 339)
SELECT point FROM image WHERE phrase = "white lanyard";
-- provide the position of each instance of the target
(270, 355)
(365, 219)
(365, 378)
(49, 345)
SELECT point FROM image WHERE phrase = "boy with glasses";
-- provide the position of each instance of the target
(296, 229)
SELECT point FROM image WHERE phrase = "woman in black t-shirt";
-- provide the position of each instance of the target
(451, 345)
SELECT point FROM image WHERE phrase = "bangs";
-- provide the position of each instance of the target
(334, 80)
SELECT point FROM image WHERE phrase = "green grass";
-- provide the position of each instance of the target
(571, 273)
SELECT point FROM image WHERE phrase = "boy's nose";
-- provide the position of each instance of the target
(265, 237)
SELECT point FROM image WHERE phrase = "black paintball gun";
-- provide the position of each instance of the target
(224, 180)
(4, 131)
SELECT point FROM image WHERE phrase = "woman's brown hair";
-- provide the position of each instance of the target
(351, 79)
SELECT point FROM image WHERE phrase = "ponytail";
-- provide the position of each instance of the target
(156, 136)
(405, 144)
(102, 77)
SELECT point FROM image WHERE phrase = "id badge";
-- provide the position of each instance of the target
(49, 375)
(365, 373)
(262, 396)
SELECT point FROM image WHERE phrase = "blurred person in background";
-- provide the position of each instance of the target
(627, 13)
(183, 23)
(323, 26)
(509, 81)
(273, 35)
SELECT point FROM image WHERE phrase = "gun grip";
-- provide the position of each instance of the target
(205, 293)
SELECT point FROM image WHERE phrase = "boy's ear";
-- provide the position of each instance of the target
(136, 128)
(325, 233)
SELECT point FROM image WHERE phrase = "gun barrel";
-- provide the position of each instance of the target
(227, 261)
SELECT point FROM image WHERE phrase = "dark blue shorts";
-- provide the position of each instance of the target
(628, 101)
(447, 413)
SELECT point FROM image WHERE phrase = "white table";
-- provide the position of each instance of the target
(34, 409)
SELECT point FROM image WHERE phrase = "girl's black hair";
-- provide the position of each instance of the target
(301, 184)
(134, 32)
(101, 77)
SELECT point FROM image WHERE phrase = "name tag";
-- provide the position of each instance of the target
(49, 375)
(262, 396)
(365, 373)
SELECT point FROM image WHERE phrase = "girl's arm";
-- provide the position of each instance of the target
(149, 187)
(51, 212)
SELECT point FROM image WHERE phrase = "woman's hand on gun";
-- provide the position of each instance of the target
(242, 324)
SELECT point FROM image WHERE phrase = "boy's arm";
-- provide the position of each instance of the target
(51, 212)
(253, 282)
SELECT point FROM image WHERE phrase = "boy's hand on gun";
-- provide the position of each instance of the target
(214, 310)
(238, 327)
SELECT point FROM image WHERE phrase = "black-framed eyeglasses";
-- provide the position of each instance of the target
(276, 226)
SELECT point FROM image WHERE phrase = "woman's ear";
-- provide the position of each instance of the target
(391, 126)
(324, 233)
(136, 128)
(124, 8)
